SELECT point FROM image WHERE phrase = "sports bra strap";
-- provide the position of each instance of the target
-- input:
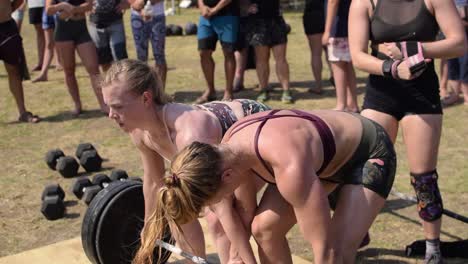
(328, 141)
(257, 135)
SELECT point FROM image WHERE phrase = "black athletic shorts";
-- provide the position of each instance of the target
(11, 48)
(266, 31)
(72, 30)
(314, 22)
(373, 164)
(35, 15)
(399, 98)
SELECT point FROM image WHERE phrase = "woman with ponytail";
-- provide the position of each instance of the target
(305, 156)
(160, 128)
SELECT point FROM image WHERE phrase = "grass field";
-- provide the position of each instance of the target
(23, 146)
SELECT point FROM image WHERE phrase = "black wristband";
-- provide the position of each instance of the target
(387, 68)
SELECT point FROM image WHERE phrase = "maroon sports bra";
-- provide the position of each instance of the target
(328, 142)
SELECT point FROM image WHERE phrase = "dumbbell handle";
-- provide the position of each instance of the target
(180, 252)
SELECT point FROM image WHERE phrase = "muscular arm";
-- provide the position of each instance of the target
(153, 172)
(235, 231)
(300, 186)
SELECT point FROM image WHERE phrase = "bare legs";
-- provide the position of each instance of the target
(443, 80)
(357, 206)
(262, 58)
(345, 83)
(421, 134)
(281, 65)
(229, 70)
(208, 67)
(274, 218)
(40, 46)
(241, 62)
(87, 53)
(315, 45)
(16, 86)
(48, 55)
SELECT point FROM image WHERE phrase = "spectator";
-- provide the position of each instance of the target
(150, 25)
(335, 37)
(458, 67)
(108, 32)
(72, 34)
(219, 20)
(48, 25)
(36, 7)
(314, 26)
(12, 54)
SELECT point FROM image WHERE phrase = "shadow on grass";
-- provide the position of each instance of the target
(393, 205)
(376, 252)
(71, 215)
(299, 92)
(66, 116)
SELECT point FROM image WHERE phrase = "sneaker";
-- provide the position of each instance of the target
(286, 97)
(263, 96)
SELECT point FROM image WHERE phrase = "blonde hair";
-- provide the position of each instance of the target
(195, 177)
(139, 78)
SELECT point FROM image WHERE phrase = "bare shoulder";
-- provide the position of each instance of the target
(196, 125)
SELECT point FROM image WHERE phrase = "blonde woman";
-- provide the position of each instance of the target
(305, 154)
(159, 129)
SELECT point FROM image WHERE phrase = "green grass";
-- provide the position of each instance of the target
(23, 146)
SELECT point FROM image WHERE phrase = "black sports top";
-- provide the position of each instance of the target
(267, 8)
(328, 142)
(401, 20)
(72, 2)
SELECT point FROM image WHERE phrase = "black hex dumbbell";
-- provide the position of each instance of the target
(118, 175)
(67, 166)
(99, 182)
(52, 156)
(90, 193)
(101, 179)
(82, 148)
(90, 160)
(52, 206)
(80, 186)
(51, 190)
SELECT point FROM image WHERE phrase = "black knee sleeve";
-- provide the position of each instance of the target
(430, 205)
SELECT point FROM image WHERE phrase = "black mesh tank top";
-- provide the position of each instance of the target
(402, 20)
